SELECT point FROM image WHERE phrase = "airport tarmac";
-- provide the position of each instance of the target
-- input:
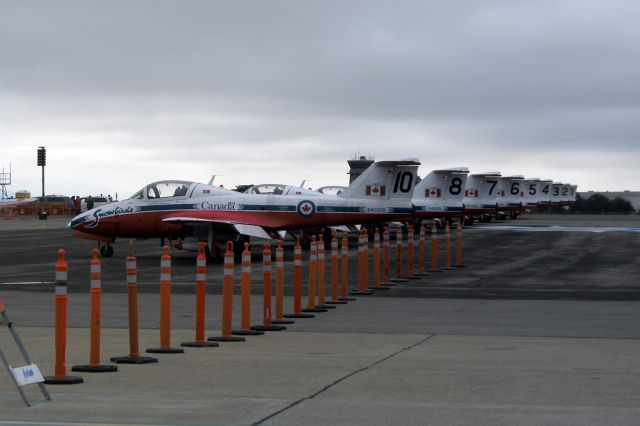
(539, 328)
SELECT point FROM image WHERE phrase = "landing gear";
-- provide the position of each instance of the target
(106, 250)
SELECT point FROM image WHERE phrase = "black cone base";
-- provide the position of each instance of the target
(383, 288)
(415, 277)
(247, 332)
(316, 309)
(271, 327)
(447, 268)
(460, 266)
(435, 271)
(362, 293)
(65, 380)
(337, 302)
(283, 321)
(165, 351)
(347, 299)
(199, 344)
(226, 339)
(95, 368)
(133, 359)
(299, 316)
(325, 306)
(399, 280)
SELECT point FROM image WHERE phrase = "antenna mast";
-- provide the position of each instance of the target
(5, 180)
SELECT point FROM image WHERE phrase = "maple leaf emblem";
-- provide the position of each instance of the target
(306, 208)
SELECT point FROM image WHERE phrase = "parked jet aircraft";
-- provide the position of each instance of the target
(440, 193)
(509, 196)
(573, 195)
(480, 196)
(556, 194)
(530, 192)
(544, 194)
(565, 195)
(180, 209)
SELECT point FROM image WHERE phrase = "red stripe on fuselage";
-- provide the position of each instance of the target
(150, 224)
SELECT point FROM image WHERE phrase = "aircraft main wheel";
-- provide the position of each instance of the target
(106, 250)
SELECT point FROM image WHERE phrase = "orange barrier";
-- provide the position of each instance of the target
(386, 254)
(410, 253)
(363, 265)
(376, 259)
(132, 290)
(376, 262)
(322, 304)
(280, 287)
(447, 247)
(335, 272)
(365, 270)
(297, 284)
(245, 296)
(344, 277)
(313, 278)
(422, 252)
(165, 307)
(201, 294)
(60, 376)
(434, 248)
(399, 278)
(227, 300)
(459, 245)
(267, 323)
(94, 365)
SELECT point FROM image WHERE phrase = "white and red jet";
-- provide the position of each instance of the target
(180, 209)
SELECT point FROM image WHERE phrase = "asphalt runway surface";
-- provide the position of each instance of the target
(509, 259)
(538, 328)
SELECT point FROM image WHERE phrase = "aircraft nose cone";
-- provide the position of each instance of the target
(77, 221)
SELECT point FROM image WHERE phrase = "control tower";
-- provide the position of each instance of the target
(358, 164)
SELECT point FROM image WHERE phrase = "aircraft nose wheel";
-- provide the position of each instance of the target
(106, 250)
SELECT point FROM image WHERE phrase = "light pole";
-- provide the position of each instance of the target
(42, 161)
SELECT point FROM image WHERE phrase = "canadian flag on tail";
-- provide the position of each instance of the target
(375, 190)
(470, 192)
(433, 192)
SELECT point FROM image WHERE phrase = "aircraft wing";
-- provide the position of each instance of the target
(241, 228)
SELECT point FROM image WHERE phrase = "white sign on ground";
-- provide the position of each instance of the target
(27, 375)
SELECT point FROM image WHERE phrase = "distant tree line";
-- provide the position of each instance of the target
(600, 204)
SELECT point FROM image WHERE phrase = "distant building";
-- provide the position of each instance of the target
(357, 165)
(632, 196)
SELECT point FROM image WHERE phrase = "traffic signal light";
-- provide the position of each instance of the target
(42, 156)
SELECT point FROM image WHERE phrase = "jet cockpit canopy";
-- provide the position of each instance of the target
(175, 189)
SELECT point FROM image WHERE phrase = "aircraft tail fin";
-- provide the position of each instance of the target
(482, 188)
(385, 180)
(443, 184)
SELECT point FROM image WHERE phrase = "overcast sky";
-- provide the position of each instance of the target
(123, 93)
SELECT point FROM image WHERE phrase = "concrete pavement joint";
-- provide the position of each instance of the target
(340, 380)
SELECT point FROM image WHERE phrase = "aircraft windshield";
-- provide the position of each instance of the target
(164, 189)
(272, 189)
